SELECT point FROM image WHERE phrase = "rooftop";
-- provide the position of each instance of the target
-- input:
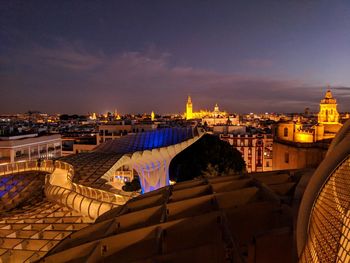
(216, 219)
(147, 140)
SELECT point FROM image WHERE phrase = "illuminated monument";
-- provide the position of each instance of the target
(300, 146)
(189, 109)
(328, 110)
(326, 128)
(215, 114)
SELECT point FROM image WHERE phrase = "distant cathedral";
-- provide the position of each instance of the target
(216, 113)
(326, 128)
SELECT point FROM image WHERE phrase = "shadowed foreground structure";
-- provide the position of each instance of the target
(323, 232)
(222, 219)
(31, 225)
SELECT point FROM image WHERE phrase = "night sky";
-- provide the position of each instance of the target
(138, 56)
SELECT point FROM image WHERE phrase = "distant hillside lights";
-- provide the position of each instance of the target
(93, 116)
(105, 117)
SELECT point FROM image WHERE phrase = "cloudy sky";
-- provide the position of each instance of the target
(139, 56)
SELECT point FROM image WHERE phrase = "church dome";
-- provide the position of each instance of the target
(328, 98)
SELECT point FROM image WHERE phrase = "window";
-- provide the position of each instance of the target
(285, 132)
(267, 164)
(286, 157)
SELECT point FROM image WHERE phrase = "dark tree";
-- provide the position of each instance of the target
(132, 186)
(209, 156)
(64, 117)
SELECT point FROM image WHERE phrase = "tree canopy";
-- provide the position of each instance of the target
(132, 186)
(208, 157)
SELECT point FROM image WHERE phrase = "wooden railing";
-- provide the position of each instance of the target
(18, 167)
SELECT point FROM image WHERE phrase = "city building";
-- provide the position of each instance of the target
(229, 129)
(78, 143)
(210, 118)
(29, 147)
(326, 128)
(117, 129)
(297, 155)
(256, 150)
(299, 144)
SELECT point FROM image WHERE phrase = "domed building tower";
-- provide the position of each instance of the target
(328, 110)
(329, 116)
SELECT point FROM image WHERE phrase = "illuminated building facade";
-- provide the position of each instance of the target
(93, 116)
(210, 118)
(256, 150)
(78, 144)
(29, 147)
(328, 110)
(292, 155)
(326, 128)
(300, 146)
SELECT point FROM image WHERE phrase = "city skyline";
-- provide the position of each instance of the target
(201, 111)
(138, 57)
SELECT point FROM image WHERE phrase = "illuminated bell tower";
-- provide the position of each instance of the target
(189, 110)
(328, 110)
(216, 108)
(152, 116)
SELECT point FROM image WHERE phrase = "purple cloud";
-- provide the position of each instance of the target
(68, 78)
(258, 63)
